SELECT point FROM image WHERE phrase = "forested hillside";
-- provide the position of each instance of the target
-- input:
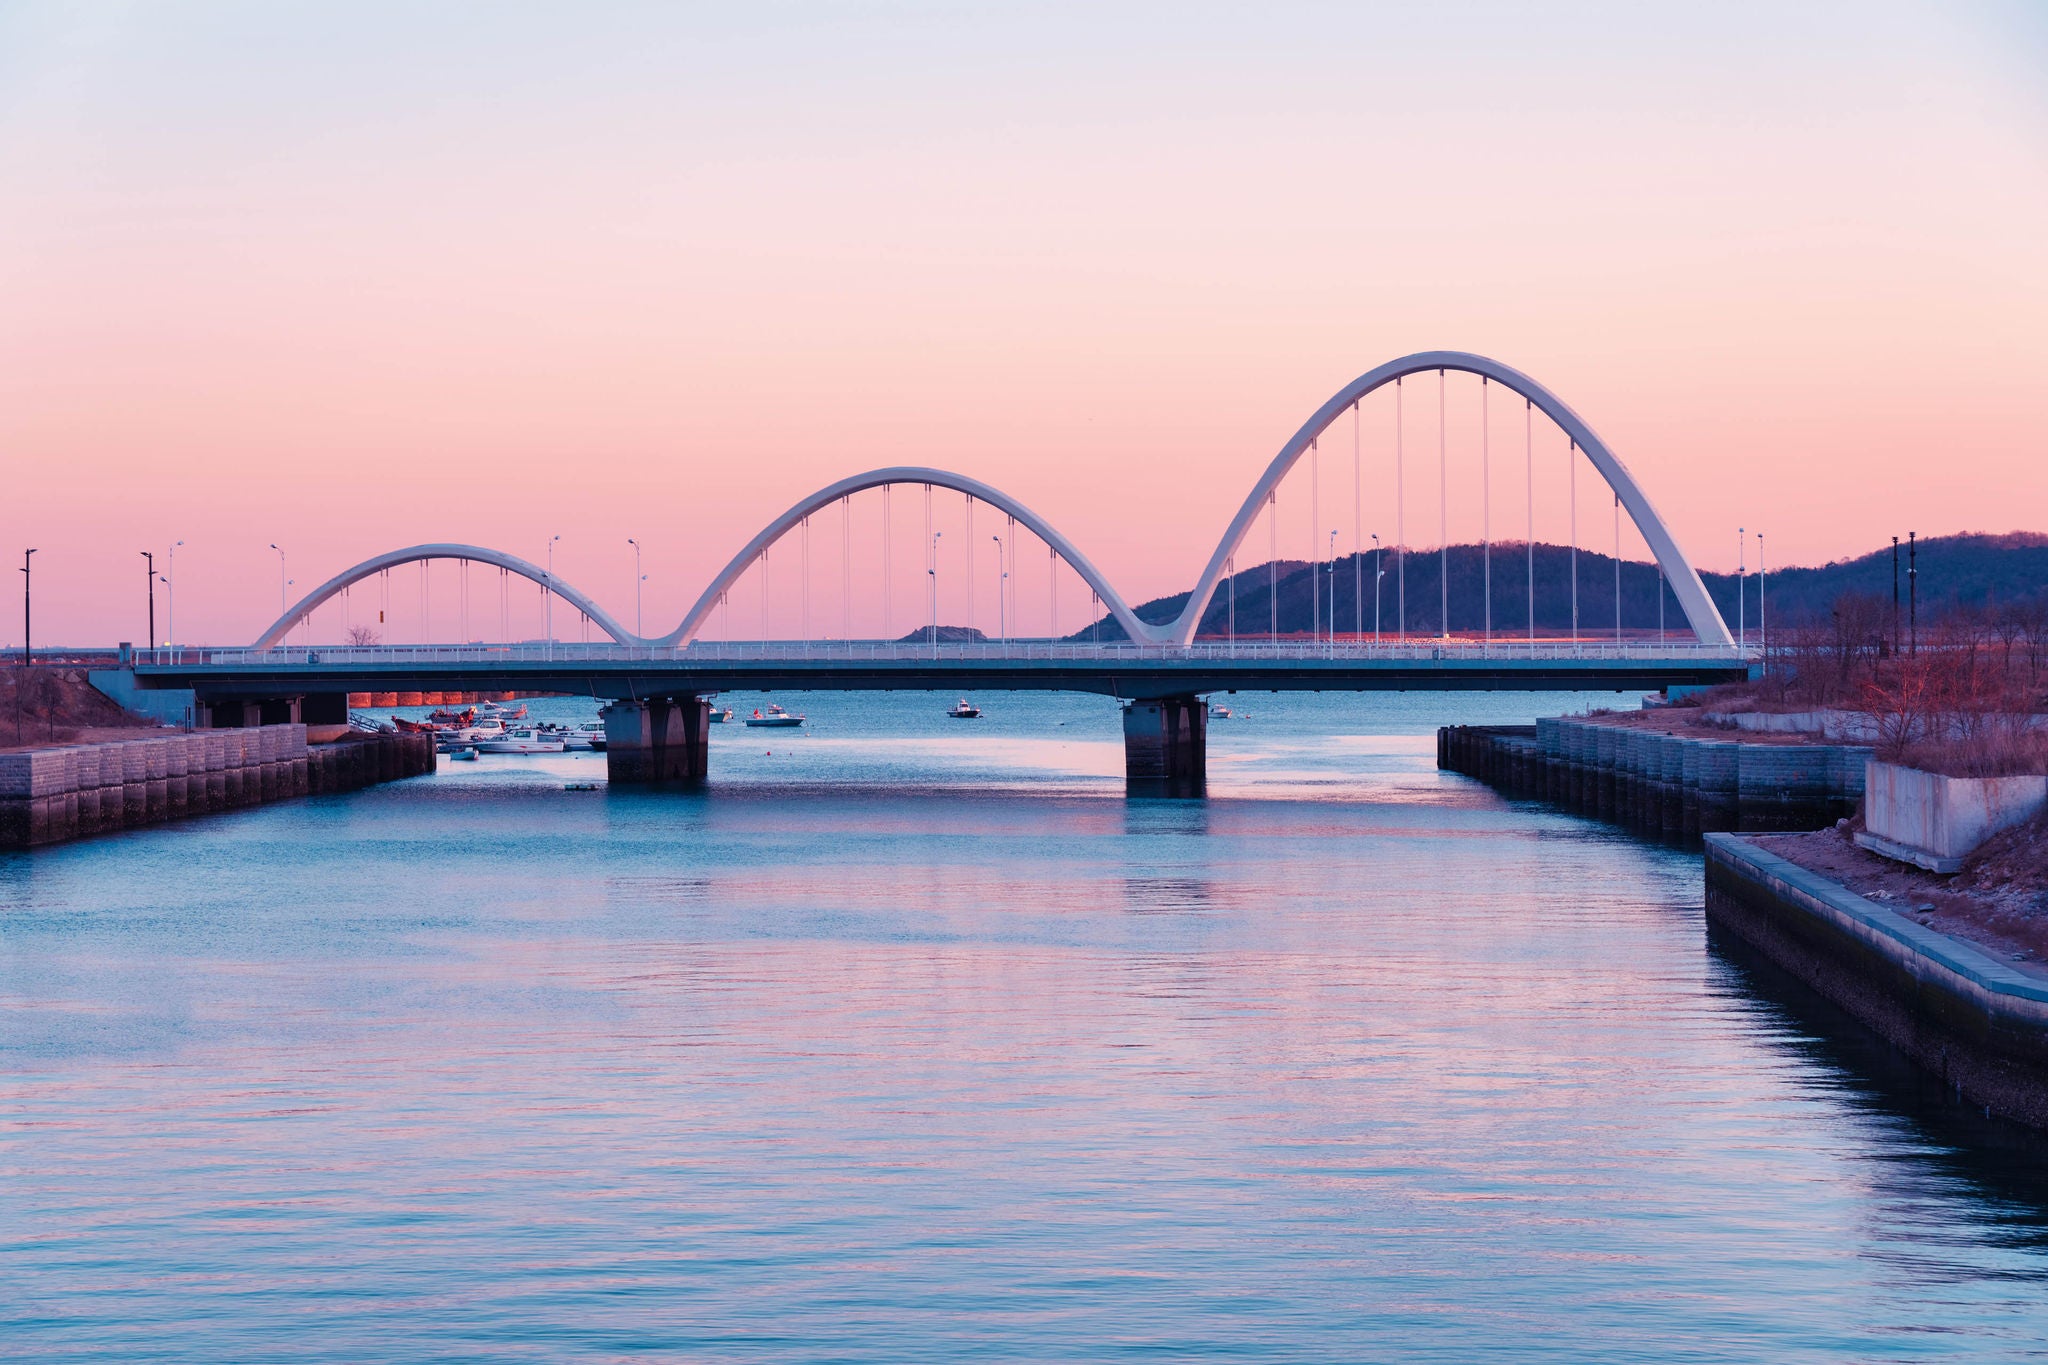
(1965, 569)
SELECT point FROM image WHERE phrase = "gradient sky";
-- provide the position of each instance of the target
(361, 277)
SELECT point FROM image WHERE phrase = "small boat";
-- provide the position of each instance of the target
(1219, 712)
(412, 727)
(588, 735)
(466, 754)
(523, 741)
(776, 718)
(963, 710)
(579, 786)
(719, 715)
(493, 711)
(446, 716)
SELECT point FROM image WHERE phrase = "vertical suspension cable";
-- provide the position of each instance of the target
(1094, 617)
(1315, 538)
(1529, 455)
(1016, 566)
(931, 558)
(764, 597)
(1443, 507)
(1052, 590)
(1357, 532)
(725, 615)
(1230, 569)
(888, 627)
(1617, 568)
(1273, 564)
(846, 567)
(804, 615)
(969, 623)
(1486, 508)
(1572, 489)
(1400, 525)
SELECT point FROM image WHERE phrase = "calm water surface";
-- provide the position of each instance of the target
(911, 1039)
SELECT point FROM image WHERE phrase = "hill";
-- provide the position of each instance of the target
(1971, 569)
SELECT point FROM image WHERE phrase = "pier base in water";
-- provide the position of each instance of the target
(1166, 747)
(660, 739)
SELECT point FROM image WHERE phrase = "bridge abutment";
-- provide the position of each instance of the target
(660, 739)
(1166, 746)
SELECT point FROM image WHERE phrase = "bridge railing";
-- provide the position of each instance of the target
(893, 652)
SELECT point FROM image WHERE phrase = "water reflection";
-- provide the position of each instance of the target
(888, 1046)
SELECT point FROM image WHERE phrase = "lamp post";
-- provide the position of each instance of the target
(1377, 574)
(1742, 588)
(282, 604)
(638, 578)
(1002, 593)
(171, 591)
(1763, 620)
(149, 577)
(1333, 587)
(28, 654)
(551, 596)
(931, 569)
(1895, 594)
(1913, 591)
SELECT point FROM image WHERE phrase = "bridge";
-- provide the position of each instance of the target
(658, 687)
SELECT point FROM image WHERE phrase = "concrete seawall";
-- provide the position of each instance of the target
(1976, 1021)
(1675, 786)
(73, 791)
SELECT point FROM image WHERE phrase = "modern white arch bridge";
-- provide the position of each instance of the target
(659, 686)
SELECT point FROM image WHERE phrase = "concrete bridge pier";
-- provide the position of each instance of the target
(1166, 746)
(658, 739)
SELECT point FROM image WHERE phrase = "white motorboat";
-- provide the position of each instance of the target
(964, 710)
(523, 741)
(719, 715)
(466, 753)
(1219, 712)
(588, 735)
(775, 717)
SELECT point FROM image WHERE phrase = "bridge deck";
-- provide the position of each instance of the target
(1123, 670)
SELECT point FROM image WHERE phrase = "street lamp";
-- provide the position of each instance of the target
(283, 605)
(1002, 593)
(1741, 595)
(932, 572)
(1333, 586)
(28, 654)
(171, 591)
(638, 578)
(551, 596)
(149, 577)
(1377, 574)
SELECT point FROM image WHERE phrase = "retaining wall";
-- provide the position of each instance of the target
(1976, 1021)
(1671, 785)
(74, 791)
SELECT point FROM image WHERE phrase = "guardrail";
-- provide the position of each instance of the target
(1012, 651)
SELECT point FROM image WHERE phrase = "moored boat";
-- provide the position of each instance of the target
(524, 740)
(964, 710)
(775, 717)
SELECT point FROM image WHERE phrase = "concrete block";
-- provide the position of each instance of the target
(1934, 821)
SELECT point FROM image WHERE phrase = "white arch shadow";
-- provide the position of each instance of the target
(1700, 611)
(390, 559)
(937, 478)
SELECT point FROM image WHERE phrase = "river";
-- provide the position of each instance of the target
(912, 1039)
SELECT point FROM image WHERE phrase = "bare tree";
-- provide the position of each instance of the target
(361, 635)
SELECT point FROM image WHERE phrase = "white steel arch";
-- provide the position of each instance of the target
(1699, 608)
(413, 553)
(903, 474)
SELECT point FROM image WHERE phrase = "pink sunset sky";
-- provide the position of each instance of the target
(352, 278)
